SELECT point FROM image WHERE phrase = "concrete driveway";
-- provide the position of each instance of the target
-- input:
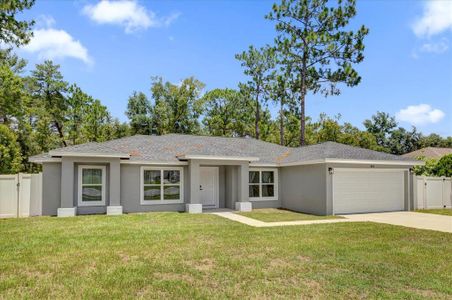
(407, 219)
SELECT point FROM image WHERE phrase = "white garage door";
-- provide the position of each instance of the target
(367, 190)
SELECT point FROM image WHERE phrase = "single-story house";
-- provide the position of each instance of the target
(190, 173)
(429, 152)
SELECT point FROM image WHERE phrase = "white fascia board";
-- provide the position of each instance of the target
(149, 162)
(264, 165)
(44, 160)
(301, 163)
(376, 162)
(213, 157)
(81, 154)
(355, 161)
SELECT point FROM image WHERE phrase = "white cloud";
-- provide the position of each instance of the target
(420, 114)
(436, 18)
(45, 21)
(50, 43)
(128, 14)
(435, 47)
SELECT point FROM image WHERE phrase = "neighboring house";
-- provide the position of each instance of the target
(429, 152)
(191, 173)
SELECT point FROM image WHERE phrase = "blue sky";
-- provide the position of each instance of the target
(111, 49)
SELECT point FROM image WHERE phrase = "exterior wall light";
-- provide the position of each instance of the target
(331, 171)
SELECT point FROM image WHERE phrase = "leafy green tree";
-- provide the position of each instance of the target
(119, 130)
(49, 91)
(315, 46)
(444, 166)
(402, 141)
(226, 112)
(351, 135)
(435, 140)
(10, 59)
(291, 129)
(280, 94)
(428, 169)
(12, 30)
(381, 126)
(77, 105)
(96, 124)
(257, 64)
(10, 158)
(139, 114)
(268, 127)
(12, 95)
(177, 107)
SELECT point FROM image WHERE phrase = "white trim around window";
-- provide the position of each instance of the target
(161, 185)
(81, 185)
(260, 184)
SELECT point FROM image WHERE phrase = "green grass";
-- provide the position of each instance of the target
(181, 256)
(440, 211)
(280, 215)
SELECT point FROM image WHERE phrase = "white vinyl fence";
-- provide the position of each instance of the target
(433, 192)
(20, 195)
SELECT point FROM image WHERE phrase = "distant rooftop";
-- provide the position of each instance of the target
(429, 152)
(171, 147)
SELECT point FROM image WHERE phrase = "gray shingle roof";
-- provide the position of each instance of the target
(168, 147)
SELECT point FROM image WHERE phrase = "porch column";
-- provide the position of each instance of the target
(243, 203)
(193, 204)
(67, 208)
(114, 207)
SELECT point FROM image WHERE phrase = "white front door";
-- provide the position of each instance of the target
(208, 186)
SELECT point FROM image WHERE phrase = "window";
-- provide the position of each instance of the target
(263, 184)
(91, 185)
(161, 185)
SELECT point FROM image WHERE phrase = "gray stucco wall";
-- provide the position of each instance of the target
(303, 188)
(51, 188)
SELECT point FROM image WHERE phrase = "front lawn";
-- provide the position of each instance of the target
(440, 211)
(281, 215)
(182, 256)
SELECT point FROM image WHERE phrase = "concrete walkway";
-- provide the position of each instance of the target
(256, 223)
(408, 219)
(402, 218)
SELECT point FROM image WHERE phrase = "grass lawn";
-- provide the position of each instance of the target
(280, 215)
(180, 256)
(440, 211)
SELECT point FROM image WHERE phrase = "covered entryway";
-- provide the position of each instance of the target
(208, 187)
(358, 190)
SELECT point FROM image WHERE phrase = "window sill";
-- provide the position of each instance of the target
(91, 204)
(161, 202)
(263, 199)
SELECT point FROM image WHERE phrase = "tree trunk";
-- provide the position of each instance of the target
(60, 132)
(302, 120)
(257, 116)
(281, 123)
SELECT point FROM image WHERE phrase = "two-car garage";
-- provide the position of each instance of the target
(363, 190)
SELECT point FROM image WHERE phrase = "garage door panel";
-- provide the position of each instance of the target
(367, 190)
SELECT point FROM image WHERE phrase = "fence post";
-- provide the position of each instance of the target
(17, 195)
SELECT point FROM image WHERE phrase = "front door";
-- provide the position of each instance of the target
(208, 186)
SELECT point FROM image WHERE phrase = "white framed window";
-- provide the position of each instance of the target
(161, 185)
(263, 184)
(91, 185)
